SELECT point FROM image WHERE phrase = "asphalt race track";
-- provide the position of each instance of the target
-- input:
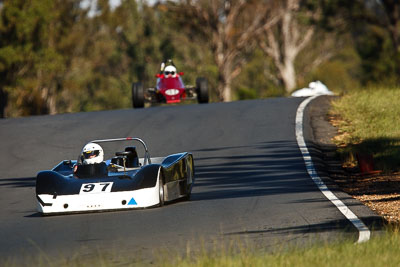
(251, 182)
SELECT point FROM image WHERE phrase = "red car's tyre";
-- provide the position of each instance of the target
(202, 90)
(137, 95)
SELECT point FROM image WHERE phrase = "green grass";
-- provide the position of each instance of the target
(370, 121)
(383, 250)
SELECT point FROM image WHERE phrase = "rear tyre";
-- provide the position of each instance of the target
(189, 193)
(137, 95)
(189, 186)
(202, 90)
(161, 191)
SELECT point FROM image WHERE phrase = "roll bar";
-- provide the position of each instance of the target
(147, 159)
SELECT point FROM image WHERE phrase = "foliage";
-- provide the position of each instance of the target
(375, 28)
(341, 73)
(56, 56)
(255, 80)
(375, 51)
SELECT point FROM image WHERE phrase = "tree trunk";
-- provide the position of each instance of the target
(51, 104)
(224, 87)
(288, 74)
(285, 42)
(3, 103)
(227, 93)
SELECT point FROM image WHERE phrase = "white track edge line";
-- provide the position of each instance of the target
(364, 233)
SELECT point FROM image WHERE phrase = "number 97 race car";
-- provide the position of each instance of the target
(169, 89)
(123, 182)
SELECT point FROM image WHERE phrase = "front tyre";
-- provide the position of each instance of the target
(137, 95)
(202, 90)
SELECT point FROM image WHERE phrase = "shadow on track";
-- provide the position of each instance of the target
(265, 169)
(303, 229)
(261, 169)
(342, 225)
(18, 182)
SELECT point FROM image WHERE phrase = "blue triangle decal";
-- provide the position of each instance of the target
(132, 202)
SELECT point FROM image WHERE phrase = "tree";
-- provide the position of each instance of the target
(55, 57)
(33, 52)
(229, 28)
(389, 21)
(375, 27)
(287, 38)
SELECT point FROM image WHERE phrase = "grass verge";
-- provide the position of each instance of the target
(382, 250)
(369, 124)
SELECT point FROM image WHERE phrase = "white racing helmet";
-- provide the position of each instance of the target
(92, 153)
(170, 70)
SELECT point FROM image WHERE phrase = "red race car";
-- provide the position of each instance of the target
(169, 89)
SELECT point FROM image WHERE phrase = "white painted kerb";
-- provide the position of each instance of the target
(364, 233)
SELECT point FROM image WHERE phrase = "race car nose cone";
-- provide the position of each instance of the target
(172, 92)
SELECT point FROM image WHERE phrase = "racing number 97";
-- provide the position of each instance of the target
(88, 188)
(96, 188)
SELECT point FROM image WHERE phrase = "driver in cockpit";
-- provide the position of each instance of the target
(92, 153)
